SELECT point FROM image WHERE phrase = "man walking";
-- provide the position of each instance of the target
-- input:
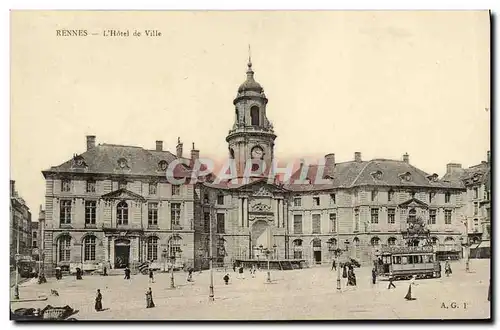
(391, 281)
(151, 276)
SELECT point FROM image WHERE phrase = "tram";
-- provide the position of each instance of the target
(405, 261)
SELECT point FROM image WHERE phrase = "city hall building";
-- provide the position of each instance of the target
(113, 205)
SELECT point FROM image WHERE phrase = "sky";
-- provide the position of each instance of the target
(381, 83)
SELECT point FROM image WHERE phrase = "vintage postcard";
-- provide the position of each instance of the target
(250, 165)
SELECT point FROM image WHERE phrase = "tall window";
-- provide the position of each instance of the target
(91, 186)
(220, 223)
(374, 215)
(316, 224)
(431, 197)
(254, 114)
(316, 201)
(333, 198)
(476, 208)
(65, 185)
(122, 185)
(391, 216)
(89, 248)
(447, 217)
(64, 248)
(122, 213)
(356, 219)
(220, 199)
(297, 249)
(65, 212)
(206, 222)
(391, 241)
(153, 214)
(176, 190)
(432, 217)
(297, 201)
(90, 212)
(333, 222)
(153, 187)
(374, 195)
(175, 214)
(412, 194)
(152, 248)
(476, 193)
(175, 246)
(390, 195)
(447, 197)
(297, 224)
(412, 215)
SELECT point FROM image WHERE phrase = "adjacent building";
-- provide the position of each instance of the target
(20, 227)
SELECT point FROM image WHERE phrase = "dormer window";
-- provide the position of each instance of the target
(377, 175)
(78, 161)
(162, 165)
(405, 176)
(433, 177)
(122, 163)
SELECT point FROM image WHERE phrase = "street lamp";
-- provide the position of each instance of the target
(338, 252)
(172, 260)
(165, 260)
(267, 252)
(211, 288)
(466, 243)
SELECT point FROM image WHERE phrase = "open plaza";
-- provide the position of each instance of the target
(293, 295)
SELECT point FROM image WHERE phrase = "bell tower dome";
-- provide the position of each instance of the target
(251, 138)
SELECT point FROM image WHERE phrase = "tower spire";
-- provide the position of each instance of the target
(249, 71)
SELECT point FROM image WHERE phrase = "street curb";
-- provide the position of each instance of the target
(30, 299)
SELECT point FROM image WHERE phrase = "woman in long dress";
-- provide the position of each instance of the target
(149, 299)
(447, 268)
(98, 301)
(412, 283)
(351, 277)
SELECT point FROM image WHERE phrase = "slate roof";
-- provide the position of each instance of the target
(364, 173)
(459, 175)
(103, 159)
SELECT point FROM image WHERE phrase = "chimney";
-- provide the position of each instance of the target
(195, 154)
(12, 188)
(159, 145)
(452, 167)
(406, 158)
(488, 157)
(330, 160)
(357, 156)
(90, 142)
(179, 148)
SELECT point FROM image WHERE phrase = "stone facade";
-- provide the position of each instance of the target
(20, 226)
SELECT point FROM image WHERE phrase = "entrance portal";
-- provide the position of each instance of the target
(122, 253)
(316, 245)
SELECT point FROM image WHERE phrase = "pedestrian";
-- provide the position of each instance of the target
(226, 279)
(334, 265)
(234, 266)
(190, 275)
(41, 278)
(105, 271)
(391, 281)
(447, 267)
(253, 270)
(344, 271)
(149, 299)
(127, 274)
(374, 276)
(240, 273)
(98, 301)
(351, 277)
(78, 274)
(151, 276)
(58, 273)
(412, 283)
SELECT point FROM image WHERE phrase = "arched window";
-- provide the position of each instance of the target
(64, 248)
(297, 249)
(152, 248)
(356, 241)
(375, 241)
(255, 114)
(89, 248)
(122, 213)
(391, 241)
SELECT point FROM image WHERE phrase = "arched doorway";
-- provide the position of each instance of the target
(122, 253)
(261, 236)
(297, 248)
(316, 247)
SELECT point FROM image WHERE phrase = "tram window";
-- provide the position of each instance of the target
(410, 259)
(418, 260)
(404, 260)
(396, 260)
(431, 259)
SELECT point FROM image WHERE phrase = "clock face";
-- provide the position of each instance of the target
(257, 152)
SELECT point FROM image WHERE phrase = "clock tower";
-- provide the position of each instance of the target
(252, 137)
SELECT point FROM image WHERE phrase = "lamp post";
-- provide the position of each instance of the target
(18, 257)
(165, 260)
(211, 288)
(172, 258)
(267, 252)
(466, 244)
(338, 252)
